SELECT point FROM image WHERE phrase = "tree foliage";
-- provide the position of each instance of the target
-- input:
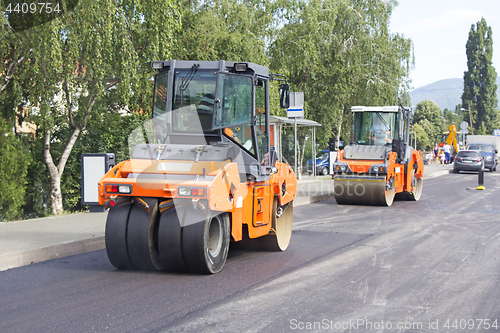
(14, 161)
(429, 117)
(226, 30)
(423, 139)
(341, 53)
(94, 59)
(480, 80)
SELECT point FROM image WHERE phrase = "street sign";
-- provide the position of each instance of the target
(464, 125)
(296, 109)
(295, 113)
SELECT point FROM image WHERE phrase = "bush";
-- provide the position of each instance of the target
(14, 161)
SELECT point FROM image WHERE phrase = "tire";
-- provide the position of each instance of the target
(116, 236)
(416, 191)
(389, 197)
(282, 226)
(205, 241)
(324, 171)
(170, 238)
(142, 236)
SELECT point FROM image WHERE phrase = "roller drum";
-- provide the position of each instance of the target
(359, 191)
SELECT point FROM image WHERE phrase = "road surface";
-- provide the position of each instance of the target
(426, 266)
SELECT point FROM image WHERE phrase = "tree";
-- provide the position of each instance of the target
(340, 53)
(93, 59)
(480, 80)
(423, 140)
(428, 115)
(226, 29)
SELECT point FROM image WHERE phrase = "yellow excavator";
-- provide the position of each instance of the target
(451, 139)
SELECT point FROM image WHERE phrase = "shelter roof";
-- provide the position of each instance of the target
(288, 121)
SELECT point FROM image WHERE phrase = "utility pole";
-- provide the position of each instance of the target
(470, 118)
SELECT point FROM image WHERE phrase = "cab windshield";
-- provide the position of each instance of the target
(374, 128)
(192, 102)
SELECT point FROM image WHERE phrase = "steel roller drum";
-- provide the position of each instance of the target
(363, 191)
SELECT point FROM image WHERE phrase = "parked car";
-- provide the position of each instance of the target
(322, 164)
(488, 152)
(468, 160)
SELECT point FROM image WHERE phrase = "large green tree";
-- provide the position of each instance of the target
(429, 117)
(423, 140)
(480, 80)
(91, 60)
(234, 30)
(341, 53)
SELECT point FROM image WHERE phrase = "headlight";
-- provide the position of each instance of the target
(375, 169)
(343, 168)
(184, 191)
(191, 191)
(125, 189)
(122, 189)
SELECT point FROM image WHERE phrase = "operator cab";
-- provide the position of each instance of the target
(375, 127)
(216, 101)
(376, 131)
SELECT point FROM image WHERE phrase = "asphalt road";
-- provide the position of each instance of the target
(427, 266)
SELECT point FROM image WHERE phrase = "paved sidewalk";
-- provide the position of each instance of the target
(30, 241)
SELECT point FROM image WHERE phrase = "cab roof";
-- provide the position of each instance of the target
(221, 66)
(375, 108)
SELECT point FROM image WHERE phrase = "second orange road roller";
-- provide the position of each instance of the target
(203, 172)
(379, 163)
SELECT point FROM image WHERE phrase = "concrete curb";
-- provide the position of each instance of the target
(32, 256)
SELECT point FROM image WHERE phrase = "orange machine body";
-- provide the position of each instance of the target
(218, 188)
(399, 173)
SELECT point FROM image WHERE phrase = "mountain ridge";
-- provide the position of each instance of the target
(446, 93)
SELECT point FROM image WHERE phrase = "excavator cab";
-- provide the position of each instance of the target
(202, 172)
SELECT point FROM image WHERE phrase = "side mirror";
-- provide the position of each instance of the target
(284, 96)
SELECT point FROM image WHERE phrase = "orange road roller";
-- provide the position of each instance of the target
(203, 172)
(379, 163)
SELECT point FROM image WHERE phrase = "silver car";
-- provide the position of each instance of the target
(468, 160)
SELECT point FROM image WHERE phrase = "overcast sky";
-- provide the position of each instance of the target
(439, 30)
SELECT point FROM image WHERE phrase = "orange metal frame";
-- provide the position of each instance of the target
(400, 174)
(248, 203)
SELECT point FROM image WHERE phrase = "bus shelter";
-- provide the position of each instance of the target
(280, 124)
